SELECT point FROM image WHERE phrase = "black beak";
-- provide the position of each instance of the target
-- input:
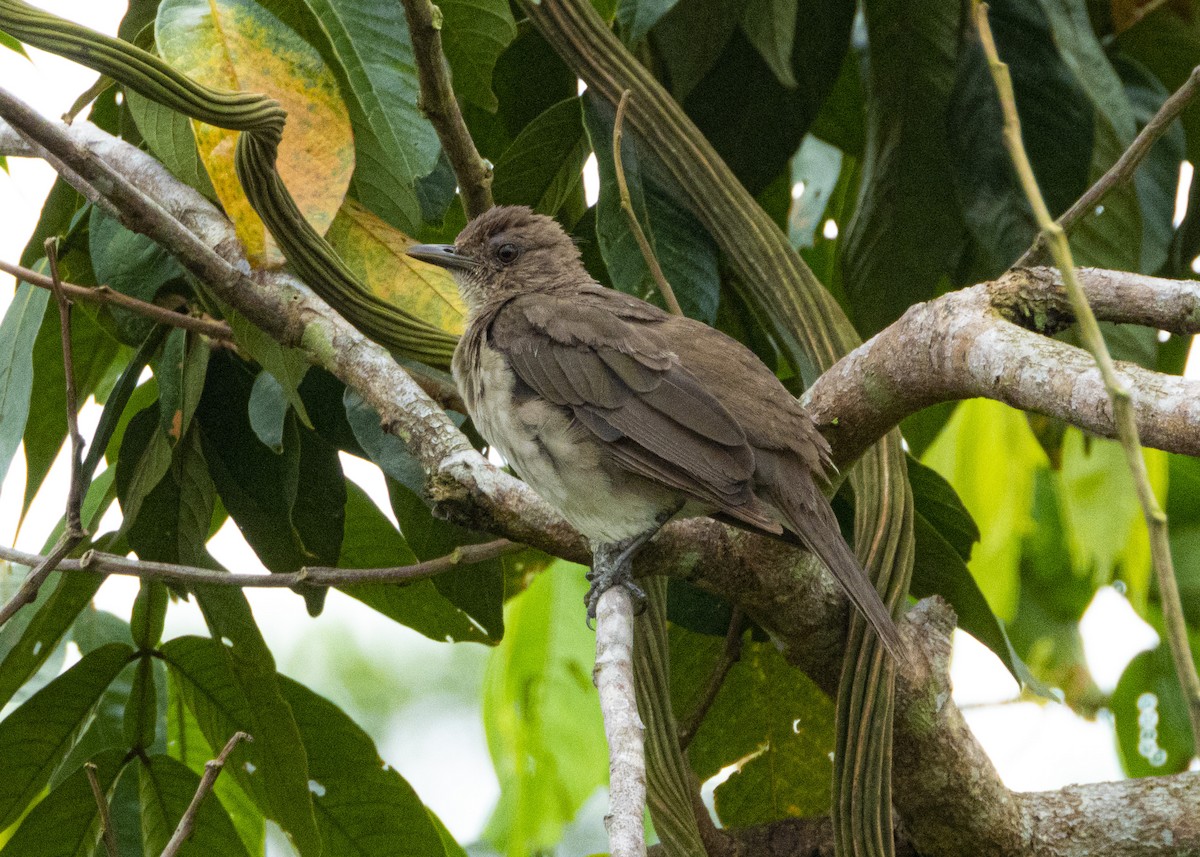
(441, 254)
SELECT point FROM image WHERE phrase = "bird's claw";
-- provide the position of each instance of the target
(602, 582)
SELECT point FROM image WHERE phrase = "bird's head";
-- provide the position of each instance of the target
(507, 250)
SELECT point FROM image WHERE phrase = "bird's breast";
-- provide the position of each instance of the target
(552, 452)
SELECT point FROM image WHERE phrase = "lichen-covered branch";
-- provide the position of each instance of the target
(963, 345)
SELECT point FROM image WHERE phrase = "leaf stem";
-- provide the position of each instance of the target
(106, 826)
(1124, 417)
(212, 770)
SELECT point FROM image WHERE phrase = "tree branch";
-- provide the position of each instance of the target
(102, 295)
(212, 770)
(962, 346)
(1125, 166)
(440, 107)
(731, 653)
(185, 575)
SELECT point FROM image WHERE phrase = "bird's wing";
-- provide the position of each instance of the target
(600, 357)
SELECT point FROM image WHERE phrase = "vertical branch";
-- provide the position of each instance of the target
(106, 827)
(73, 532)
(212, 770)
(639, 235)
(437, 101)
(1124, 417)
(613, 676)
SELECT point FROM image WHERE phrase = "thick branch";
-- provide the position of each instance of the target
(961, 346)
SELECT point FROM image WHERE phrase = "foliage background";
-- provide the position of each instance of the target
(1081, 535)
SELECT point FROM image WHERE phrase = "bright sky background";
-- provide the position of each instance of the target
(438, 746)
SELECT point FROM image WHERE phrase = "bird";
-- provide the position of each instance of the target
(622, 416)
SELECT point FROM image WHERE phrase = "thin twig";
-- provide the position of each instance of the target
(74, 524)
(730, 655)
(104, 295)
(438, 104)
(106, 826)
(1124, 168)
(1124, 417)
(212, 770)
(639, 235)
(109, 563)
(73, 531)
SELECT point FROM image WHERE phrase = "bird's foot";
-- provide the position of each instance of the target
(612, 565)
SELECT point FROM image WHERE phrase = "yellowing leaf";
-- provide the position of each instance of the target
(376, 253)
(238, 45)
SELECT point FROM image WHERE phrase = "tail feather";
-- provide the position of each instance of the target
(809, 516)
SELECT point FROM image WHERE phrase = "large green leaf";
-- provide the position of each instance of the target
(231, 689)
(1153, 735)
(1184, 514)
(768, 719)
(66, 823)
(685, 251)
(364, 808)
(541, 713)
(180, 372)
(144, 460)
(474, 34)
(173, 524)
(988, 454)
(26, 648)
(167, 787)
(543, 167)
(1058, 125)
(636, 17)
(169, 135)
(908, 229)
(394, 144)
(35, 737)
(18, 332)
(371, 542)
(132, 264)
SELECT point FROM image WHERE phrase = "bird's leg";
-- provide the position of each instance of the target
(612, 565)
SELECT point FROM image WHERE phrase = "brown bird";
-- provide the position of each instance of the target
(622, 416)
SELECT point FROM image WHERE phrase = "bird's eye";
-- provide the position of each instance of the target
(507, 253)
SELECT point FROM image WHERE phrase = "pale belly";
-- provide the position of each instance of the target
(560, 459)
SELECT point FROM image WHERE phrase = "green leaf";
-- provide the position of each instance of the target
(394, 143)
(1184, 514)
(386, 450)
(66, 822)
(268, 410)
(541, 713)
(144, 460)
(691, 35)
(169, 135)
(18, 332)
(180, 373)
(125, 811)
(543, 167)
(685, 251)
(1052, 106)
(13, 45)
(167, 787)
(1153, 735)
(477, 590)
(35, 737)
(141, 712)
(817, 166)
(906, 188)
(637, 17)
(52, 614)
(288, 365)
(768, 718)
(474, 34)
(363, 807)
(132, 264)
(372, 542)
(771, 27)
(988, 454)
(231, 689)
(935, 500)
(93, 353)
(175, 517)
